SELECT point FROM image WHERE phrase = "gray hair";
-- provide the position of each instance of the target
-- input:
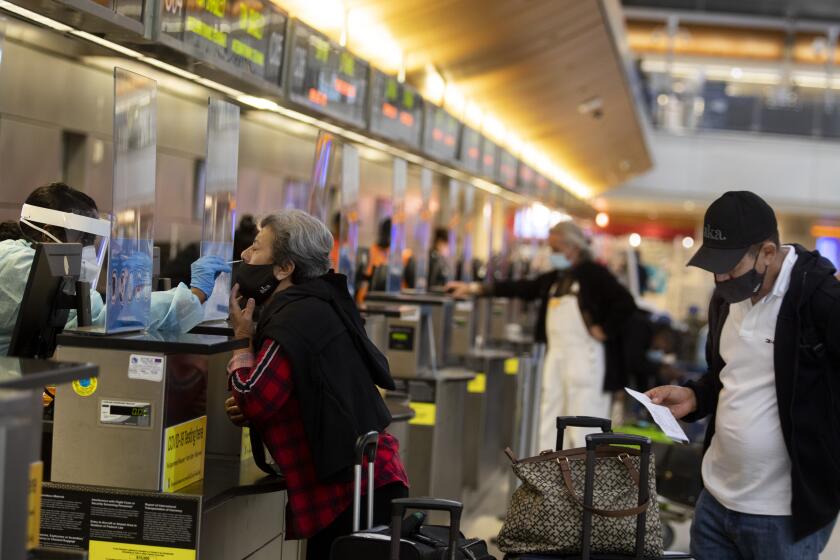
(573, 234)
(302, 240)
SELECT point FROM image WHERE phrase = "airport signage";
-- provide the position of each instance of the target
(396, 110)
(325, 77)
(440, 134)
(506, 175)
(242, 36)
(489, 158)
(527, 178)
(470, 152)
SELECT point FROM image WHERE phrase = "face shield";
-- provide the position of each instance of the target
(91, 233)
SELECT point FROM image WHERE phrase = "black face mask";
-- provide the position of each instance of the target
(256, 281)
(742, 287)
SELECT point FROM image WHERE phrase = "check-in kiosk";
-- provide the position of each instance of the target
(125, 429)
(435, 309)
(21, 385)
(404, 333)
(463, 329)
(436, 395)
(489, 407)
(493, 319)
(139, 439)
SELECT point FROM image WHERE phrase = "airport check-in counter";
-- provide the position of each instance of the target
(21, 411)
(434, 461)
(437, 309)
(437, 394)
(146, 457)
(488, 413)
(224, 439)
(463, 329)
(493, 316)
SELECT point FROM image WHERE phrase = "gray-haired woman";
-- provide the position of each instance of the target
(307, 382)
(583, 311)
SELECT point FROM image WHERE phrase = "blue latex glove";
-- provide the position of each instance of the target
(204, 271)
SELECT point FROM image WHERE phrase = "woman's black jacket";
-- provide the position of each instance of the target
(335, 368)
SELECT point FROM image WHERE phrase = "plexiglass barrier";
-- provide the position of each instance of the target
(395, 256)
(220, 183)
(348, 242)
(129, 288)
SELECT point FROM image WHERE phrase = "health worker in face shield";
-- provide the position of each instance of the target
(583, 310)
(57, 213)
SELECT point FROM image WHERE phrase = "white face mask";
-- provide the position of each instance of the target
(90, 266)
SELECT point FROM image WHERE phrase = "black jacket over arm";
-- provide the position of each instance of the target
(603, 301)
(335, 368)
(807, 368)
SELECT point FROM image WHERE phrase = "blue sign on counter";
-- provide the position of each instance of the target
(129, 290)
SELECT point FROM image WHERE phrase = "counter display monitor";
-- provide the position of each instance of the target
(257, 31)
(507, 169)
(247, 34)
(470, 152)
(326, 77)
(397, 110)
(489, 158)
(526, 178)
(440, 136)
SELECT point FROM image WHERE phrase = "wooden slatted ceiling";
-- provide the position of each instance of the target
(530, 63)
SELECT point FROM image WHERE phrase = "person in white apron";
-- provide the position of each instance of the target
(573, 373)
(583, 313)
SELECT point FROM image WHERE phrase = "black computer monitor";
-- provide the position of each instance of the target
(50, 294)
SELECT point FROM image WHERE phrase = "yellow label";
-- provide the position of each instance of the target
(246, 52)
(101, 550)
(183, 457)
(33, 522)
(85, 387)
(201, 29)
(246, 453)
(478, 384)
(424, 414)
(512, 366)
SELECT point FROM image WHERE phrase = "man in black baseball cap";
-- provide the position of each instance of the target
(774, 371)
(734, 223)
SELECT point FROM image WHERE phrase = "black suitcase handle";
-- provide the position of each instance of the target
(564, 422)
(593, 441)
(399, 506)
(366, 446)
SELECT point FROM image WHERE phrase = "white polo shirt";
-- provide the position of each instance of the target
(747, 466)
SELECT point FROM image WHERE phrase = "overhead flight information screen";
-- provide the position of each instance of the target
(489, 157)
(326, 77)
(248, 34)
(470, 152)
(397, 110)
(527, 178)
(257, 32)
(507, 169)
(440, 136)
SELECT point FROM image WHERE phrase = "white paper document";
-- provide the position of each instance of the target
(662, 416)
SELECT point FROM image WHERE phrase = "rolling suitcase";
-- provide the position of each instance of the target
(404, 539)
(593, 441)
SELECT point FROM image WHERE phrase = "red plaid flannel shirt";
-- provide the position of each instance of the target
(265, 394)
